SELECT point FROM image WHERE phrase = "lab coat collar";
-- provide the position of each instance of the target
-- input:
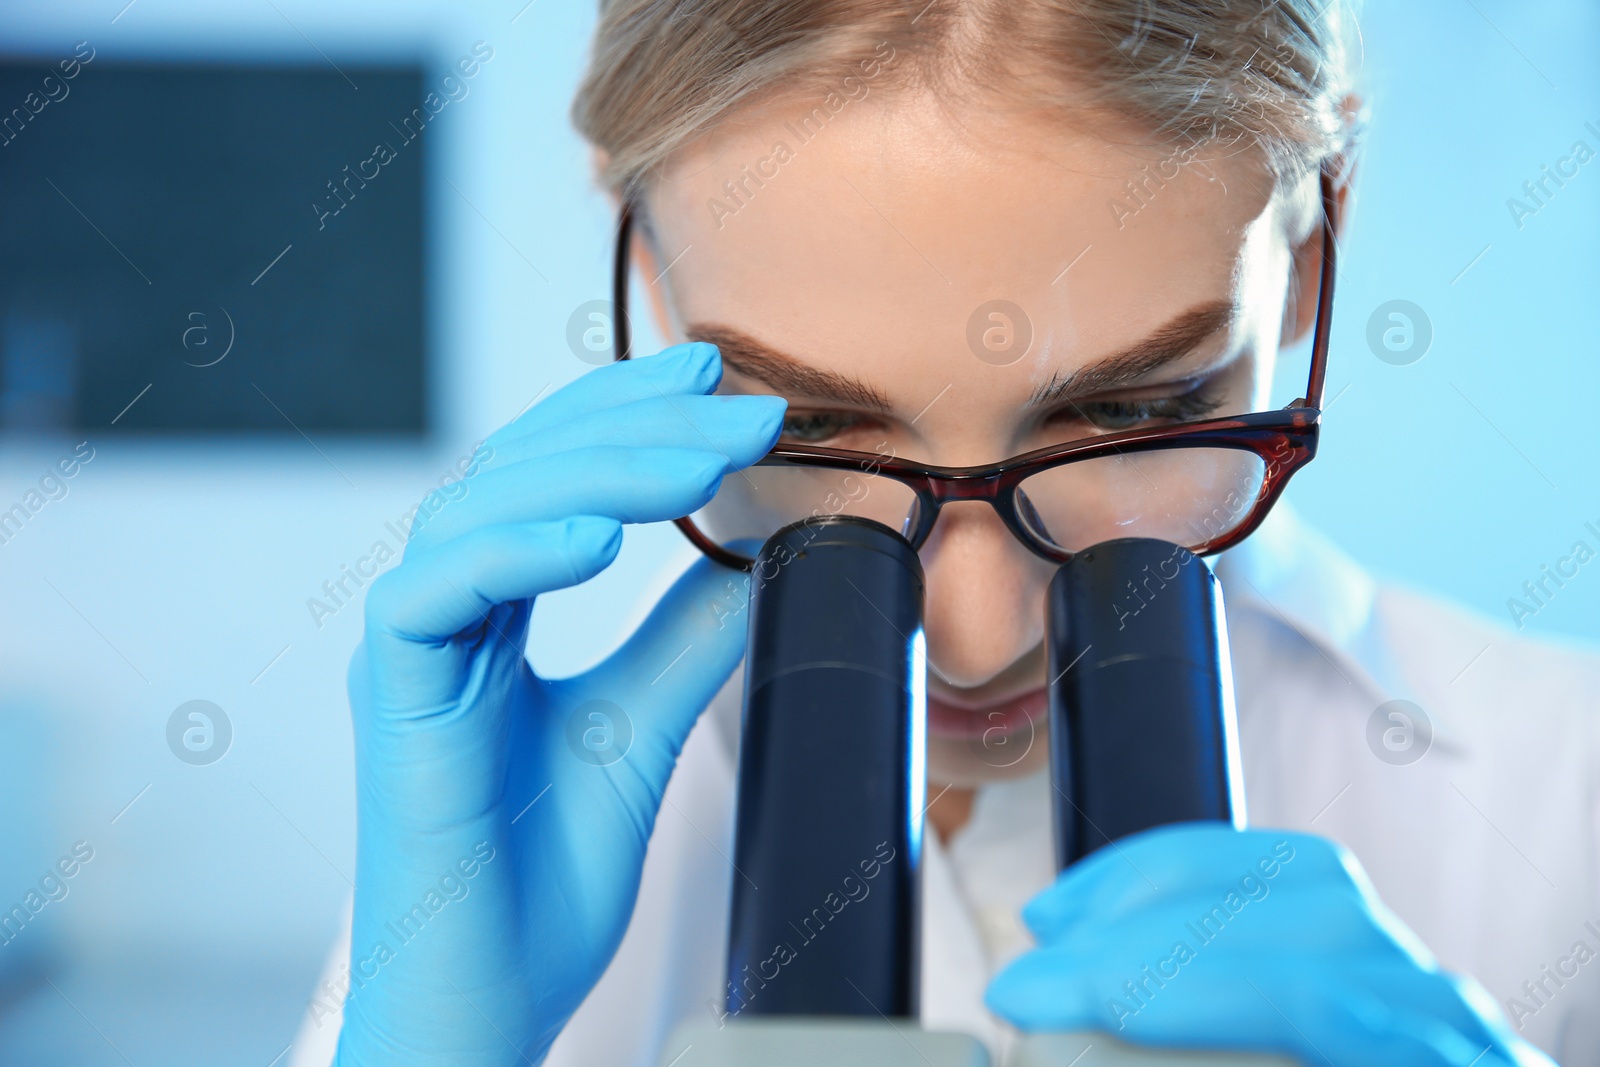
(1294, 576)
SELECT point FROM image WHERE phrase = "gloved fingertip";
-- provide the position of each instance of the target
(1032, 993)
(707, 363)
(1001, 996)
(1043, 917)
(708, 467)
(1054, 908)
(696, 365)
(597, 534)
(767, 413)
(687, 351)
(705, 351)
(764, 402)
(698, 357)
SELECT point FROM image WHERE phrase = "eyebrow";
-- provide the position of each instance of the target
(1173, 341)
(785, 374)
(789, 376)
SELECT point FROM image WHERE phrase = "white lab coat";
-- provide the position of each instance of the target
(1486, 846)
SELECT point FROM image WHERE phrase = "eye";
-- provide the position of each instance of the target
(819, 427)
(1125, 414)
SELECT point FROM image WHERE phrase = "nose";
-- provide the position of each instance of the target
(985, 595)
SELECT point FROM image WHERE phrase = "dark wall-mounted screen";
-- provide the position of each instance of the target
(211, 248)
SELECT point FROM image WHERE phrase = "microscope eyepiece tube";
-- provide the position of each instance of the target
(1142, 729)
(827, 850)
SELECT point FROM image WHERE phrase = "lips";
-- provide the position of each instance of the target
(1002, 717)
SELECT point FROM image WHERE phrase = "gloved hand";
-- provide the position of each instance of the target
(1202, 936)
(499, 847)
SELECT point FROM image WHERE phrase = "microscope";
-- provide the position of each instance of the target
(823, 956)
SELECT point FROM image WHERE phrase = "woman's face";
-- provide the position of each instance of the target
(846, 269)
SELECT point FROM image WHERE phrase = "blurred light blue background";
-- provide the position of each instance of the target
(180, 570)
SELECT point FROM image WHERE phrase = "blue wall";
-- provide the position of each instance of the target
(1466, 472)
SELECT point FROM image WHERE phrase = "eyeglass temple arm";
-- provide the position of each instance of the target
(1320, 334)
(619, 283)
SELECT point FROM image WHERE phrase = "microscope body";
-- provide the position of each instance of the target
(828, 836)
(823, 956)
(1142, 724)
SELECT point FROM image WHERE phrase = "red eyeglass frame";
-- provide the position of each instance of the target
(1284, 439)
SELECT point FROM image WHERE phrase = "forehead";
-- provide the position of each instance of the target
(882, 226)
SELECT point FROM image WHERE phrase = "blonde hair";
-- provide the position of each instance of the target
(1266, 74)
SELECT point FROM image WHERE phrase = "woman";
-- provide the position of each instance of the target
(956, 232)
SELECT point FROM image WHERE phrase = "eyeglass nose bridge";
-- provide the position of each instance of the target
(950, 489)
(994, 488)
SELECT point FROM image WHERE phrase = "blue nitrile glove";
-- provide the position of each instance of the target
(1202, 936)
(499, 847)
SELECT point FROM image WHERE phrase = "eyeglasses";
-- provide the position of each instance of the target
(1204, 484)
